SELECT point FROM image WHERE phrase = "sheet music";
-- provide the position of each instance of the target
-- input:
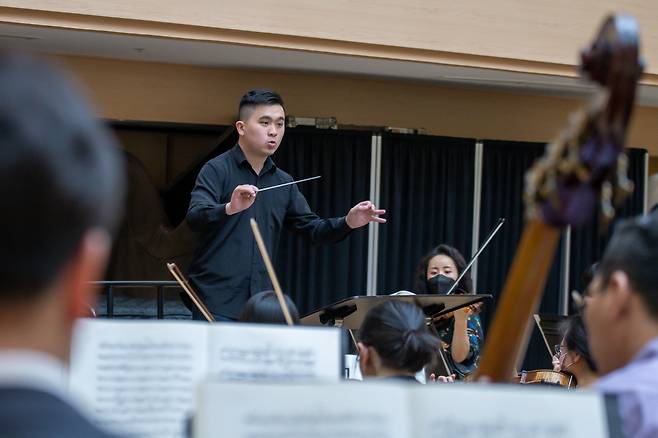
(352, 370)
(394, 409)
(506, 411)
(263, 352)
(355, 410)
(139, 378)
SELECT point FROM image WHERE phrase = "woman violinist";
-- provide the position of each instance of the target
(461, 335)
(572, 355)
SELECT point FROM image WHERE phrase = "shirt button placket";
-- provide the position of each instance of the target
(254, 247)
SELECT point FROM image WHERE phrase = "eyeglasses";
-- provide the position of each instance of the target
(559, 350)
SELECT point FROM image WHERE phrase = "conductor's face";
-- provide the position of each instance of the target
(262, 130)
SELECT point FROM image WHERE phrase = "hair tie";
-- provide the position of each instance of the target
(408, 333)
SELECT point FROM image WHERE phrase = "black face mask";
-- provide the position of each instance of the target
(440, 284)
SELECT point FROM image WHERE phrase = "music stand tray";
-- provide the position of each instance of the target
(349, 312)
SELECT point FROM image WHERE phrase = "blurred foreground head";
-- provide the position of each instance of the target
(621, 309)
(61, 190)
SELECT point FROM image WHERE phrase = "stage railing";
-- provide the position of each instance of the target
(159, 286)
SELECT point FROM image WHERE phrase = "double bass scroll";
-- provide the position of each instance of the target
(584, 167)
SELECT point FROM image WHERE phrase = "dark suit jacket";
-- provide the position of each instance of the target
(31, 413)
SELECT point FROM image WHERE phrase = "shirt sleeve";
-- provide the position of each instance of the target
(205, 209)
(474, 332)
(301, 220)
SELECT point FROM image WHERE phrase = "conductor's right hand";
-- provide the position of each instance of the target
(242, 198)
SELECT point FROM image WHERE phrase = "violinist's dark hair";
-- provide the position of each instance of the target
(61, 174)
(420, 285)
(575, 337)
(398, 332)
(254, 98)
(264, 307)
(633, 250)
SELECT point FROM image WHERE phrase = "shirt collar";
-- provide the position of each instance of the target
(627, 376)
(649, 350)
(33, 369)
(241, 160)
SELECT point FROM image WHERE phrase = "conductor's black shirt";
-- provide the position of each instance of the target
(227, 267)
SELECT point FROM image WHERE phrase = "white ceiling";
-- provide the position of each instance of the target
(210, 54)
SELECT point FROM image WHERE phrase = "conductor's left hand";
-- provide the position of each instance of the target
(363, 213)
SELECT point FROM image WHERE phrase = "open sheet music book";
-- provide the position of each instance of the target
(396, 410)
(139, 377)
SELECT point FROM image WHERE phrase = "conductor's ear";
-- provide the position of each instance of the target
(240, 127)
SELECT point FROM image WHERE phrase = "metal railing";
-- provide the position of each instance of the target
(158, 285)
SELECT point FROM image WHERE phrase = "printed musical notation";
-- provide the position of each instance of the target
(296, 411)
(500, 427)
(140, 380)
(275, 353)
(145, 384)
(318, 421)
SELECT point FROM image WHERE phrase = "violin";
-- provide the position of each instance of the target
(442, 320)
(549, 377)
(583, 167)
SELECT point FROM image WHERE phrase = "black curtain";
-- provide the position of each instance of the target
(587, 242)
(176, 196)
(315, 276)
(427, 190)
(503, 170)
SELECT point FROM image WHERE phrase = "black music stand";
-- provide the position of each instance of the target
(349, 312)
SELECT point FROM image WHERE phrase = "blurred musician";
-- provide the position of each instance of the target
(61, 190)
(394, 342)
(621, 315)
(264, 308)
(573, 356)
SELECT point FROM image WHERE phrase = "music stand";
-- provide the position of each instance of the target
(180, 278)
(349, 312)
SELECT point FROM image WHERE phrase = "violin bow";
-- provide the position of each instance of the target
(498, 226)
(270, 271)
(182, 281)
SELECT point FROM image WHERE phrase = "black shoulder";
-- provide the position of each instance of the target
(220, 161)
(283, 175)
(36, 414)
